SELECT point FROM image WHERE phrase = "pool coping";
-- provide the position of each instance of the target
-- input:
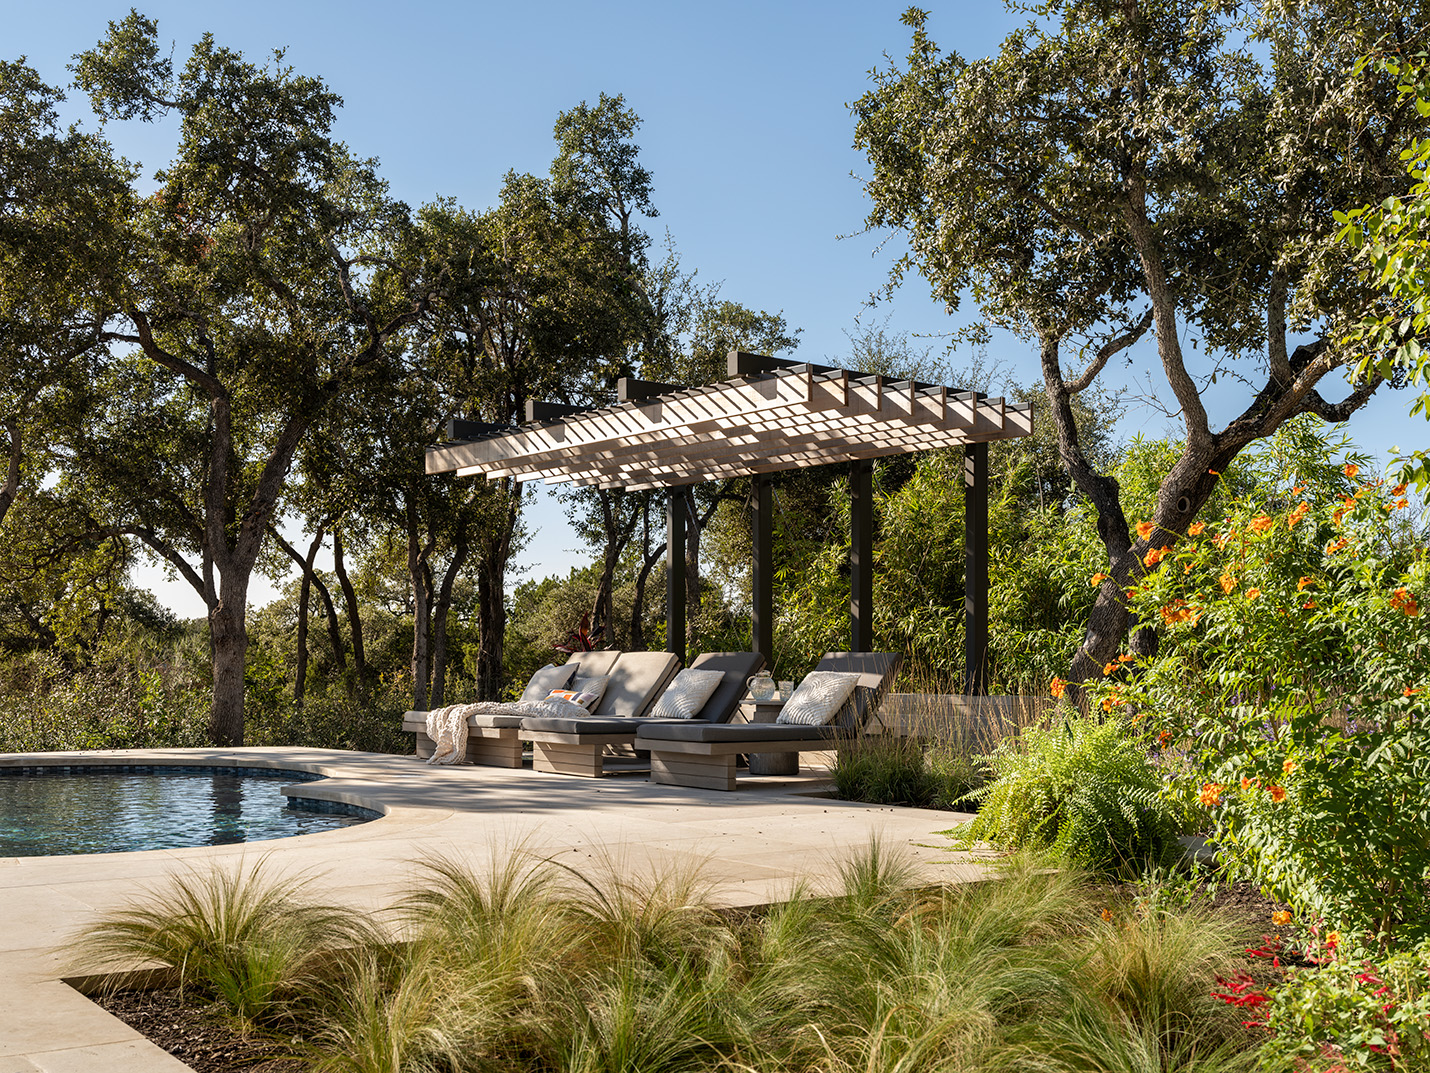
(755, 844)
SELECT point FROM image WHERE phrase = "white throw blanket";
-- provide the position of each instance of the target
(548, 708)
(447, 727)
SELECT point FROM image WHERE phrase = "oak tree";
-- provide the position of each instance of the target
(1124, 169)
(244, 303)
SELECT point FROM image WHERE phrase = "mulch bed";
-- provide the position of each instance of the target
(199, 1036)
(206, 1040)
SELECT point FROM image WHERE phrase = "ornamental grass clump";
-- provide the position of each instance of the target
(525, 966)
(240, 937)
(1294, 674)
(1084, 790)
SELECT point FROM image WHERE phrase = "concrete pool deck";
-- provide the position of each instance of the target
(752, 845)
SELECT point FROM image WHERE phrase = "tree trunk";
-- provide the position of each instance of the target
(300, 679)
(335, 637)
(11, 485)
(300, 672)
(638, 605)
(350, 601)
(419, 572)
(617, 532)
(1184, 490)
(491, 640)
(229, 635)
(441, 611)
(495, 547)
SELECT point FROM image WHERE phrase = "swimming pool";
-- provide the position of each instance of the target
(84, 808)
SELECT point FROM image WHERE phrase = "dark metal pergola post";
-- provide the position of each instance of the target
(762, 627)
(861, 556)
(975, 575)
(675, 571)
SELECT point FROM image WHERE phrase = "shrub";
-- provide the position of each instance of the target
(1293, 674)
(886, 770)
(1352, 1013)
(1082, 789)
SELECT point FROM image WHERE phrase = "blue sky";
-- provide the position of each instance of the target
(746, 131)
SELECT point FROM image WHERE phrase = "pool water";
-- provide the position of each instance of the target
(97, 809)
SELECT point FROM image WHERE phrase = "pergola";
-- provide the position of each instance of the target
(770, 415)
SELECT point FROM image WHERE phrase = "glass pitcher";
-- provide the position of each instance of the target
(761, 685)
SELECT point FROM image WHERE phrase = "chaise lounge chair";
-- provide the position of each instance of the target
(577, 746)
(703, 755)
(492, 737)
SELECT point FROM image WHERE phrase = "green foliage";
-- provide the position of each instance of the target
(1084, 790)
(1292, 671)
(240, 937)
(1040, 560)
(136, 694)
(1352, 1013)
(1390, 240)
(886, 770)
(526, 965)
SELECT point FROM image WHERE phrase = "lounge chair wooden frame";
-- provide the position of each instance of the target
(582, 752)
(710, 765)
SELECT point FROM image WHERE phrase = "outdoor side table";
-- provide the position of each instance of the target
(766, 711)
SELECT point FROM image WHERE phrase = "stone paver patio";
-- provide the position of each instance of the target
(752, 845)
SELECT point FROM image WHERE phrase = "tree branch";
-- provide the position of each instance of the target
(1108, 350)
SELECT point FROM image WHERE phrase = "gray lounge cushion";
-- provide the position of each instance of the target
(545, 680)
(597, 663)
(690, 730)
(492, 721)
(593, 724)
(636, 680)
(738, 666)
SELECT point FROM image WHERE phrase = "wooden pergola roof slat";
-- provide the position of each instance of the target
(776, 416)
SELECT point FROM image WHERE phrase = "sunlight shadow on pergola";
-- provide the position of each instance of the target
(771, 415)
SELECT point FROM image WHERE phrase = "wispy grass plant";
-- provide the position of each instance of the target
(252, 941)
(931, 752)
(529, 965)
